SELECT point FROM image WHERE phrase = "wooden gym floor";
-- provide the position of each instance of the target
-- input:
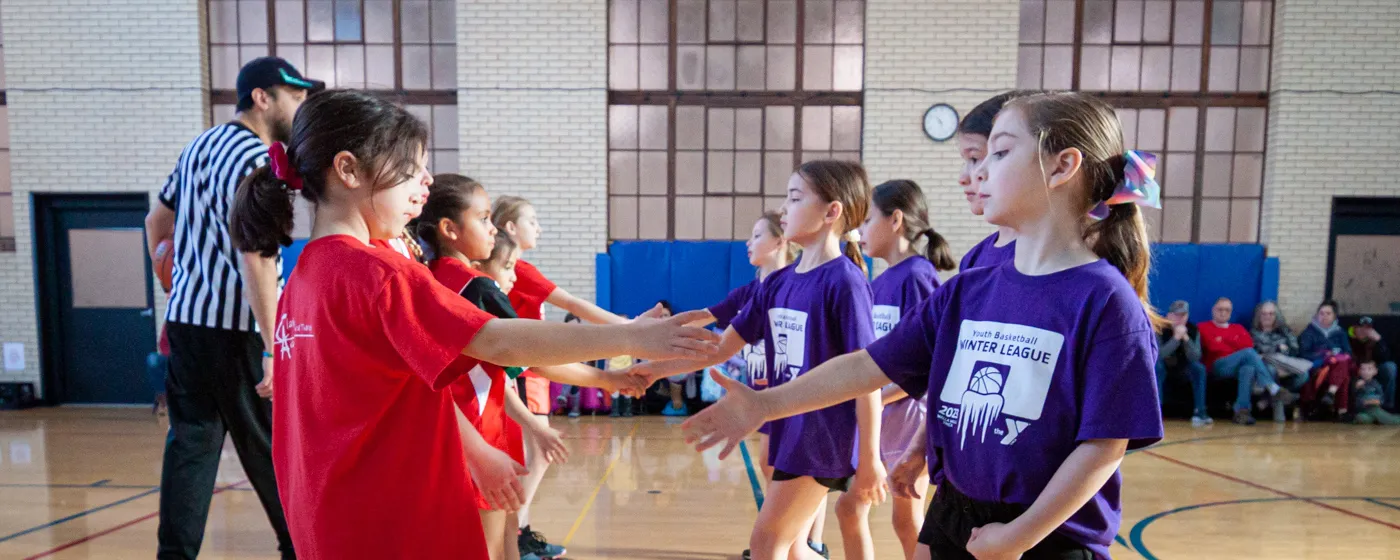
(82, 483)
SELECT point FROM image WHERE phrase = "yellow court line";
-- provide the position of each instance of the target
(578, 522)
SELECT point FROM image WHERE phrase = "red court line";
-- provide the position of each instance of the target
(1273, 490)
(110, 530)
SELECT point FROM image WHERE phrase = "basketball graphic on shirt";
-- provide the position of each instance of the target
(1000, 375)
(987, 381)
(788, 329)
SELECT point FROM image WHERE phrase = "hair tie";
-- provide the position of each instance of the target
(282, 166)
(852, 236)
(1138, 186)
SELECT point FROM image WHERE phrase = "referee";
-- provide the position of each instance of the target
(220, 367)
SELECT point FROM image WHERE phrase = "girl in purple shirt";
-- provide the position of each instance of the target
(973, 131)
(898, 218)
(806, 314)
(1039, 371)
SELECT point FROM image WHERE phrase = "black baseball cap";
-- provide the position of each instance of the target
(268, 71)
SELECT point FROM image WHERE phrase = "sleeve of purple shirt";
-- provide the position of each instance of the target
(751, 321)
(726, 310)
(1119, 399)
(905, 355)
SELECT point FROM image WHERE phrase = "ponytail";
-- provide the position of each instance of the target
(261, 219)
(414, 249)
(852, 251)
(1121, 239)
(938, 252)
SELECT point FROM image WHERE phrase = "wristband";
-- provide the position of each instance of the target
(267, 354)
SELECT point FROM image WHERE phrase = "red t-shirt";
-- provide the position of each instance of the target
(481, 393)
(530, 291)
(1218, 343)
(367, 449)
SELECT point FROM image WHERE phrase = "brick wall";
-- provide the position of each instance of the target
(533, 119)
(75, 124)
(1324, 144)
(961, 45)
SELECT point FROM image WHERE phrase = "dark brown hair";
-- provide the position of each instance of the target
(1064, 120)
(504, 246)
(448, 197)
(846, 183)
(979, 120)
(385, 139)
(906, 196)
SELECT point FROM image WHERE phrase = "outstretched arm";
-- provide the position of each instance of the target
(527, 342)
(729, 344)
(741, 411)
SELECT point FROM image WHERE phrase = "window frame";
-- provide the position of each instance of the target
(1202, 99)
(673, 97)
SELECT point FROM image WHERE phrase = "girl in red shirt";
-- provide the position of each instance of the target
(456, 225)
(516, 217)
(370, 453)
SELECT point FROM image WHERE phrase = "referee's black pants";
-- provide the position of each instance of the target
(211, 390)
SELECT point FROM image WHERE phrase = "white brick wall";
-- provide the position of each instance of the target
(927, 45)
(532, 105)
(75, 124)
(1322, 145)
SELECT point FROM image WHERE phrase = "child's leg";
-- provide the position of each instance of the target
(762, 451)
(508, 533)
(786, 510)
(677, 395)
(818, 526)
(536, 463)
(1384, 418)
(802, 550)
(921, 552)
(909, 518)
(854, 517)
(493, 523)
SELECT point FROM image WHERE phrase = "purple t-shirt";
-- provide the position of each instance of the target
(803, 320)
(899, 289)
(1024, 369)
(986, 253)
(725, 311)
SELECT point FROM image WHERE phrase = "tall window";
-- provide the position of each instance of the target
(1190, 79)
(403, 48)
(7, 200)
(713, 103)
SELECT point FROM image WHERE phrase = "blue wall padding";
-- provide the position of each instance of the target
(641, 275)
(1268, 288)
(699, 273)
(1201, 274)
(740, 271)
(289, 256)
(602, 271)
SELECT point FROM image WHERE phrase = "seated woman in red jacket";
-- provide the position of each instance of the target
(1229, 353)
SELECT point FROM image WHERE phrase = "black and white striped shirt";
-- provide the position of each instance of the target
(206, 288)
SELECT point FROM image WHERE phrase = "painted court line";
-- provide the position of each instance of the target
(1273, 490)
(578, 522)
(108, 531)
(63, 520)
(1136, 534)
(1383, 504)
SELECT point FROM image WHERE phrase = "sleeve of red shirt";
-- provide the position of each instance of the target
(531, 284)
(428, 324)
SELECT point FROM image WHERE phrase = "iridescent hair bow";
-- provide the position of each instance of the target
(1139, 184)
(282, 166)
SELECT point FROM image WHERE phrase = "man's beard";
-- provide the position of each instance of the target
(281, 131)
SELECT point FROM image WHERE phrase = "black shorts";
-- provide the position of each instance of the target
(832, 484)
(952, 516)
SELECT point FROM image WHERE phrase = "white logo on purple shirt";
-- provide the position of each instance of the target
(789, 331)
(886, 317)
(999, 369)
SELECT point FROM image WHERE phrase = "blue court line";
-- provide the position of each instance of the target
(1135, 535)
(1120, 540)
(1378, 502)
(101, 483)
(77, 515)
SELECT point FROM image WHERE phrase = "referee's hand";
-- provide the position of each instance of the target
(265, 387)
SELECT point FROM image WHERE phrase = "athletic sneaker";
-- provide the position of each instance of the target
(1201, 420)
(671, 410)
(532, 542)
(1243, 418)
(824, 551)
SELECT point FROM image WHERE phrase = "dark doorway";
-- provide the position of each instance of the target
(1363, 262)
